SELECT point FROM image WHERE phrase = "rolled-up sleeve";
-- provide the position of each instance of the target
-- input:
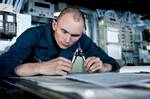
(19, 51)
(91, 49)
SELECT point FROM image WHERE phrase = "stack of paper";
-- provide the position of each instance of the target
(111, 79)
(135, 69)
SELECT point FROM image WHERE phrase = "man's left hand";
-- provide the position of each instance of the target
(94, 64)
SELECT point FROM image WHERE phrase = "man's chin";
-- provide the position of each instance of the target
(63, 47)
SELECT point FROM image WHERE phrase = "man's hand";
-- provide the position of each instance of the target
(57, 66)
(94, 64)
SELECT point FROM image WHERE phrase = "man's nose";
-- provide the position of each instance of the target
(68, 38)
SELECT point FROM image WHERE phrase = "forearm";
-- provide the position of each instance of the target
(28, 69)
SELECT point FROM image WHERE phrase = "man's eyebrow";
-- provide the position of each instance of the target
(64, 30)
(70, 33)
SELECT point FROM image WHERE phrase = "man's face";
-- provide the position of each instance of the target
(67, 31)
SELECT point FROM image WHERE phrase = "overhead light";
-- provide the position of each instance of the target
(101, 22)
(56, 14)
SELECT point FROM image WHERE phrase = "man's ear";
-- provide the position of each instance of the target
(54, 25)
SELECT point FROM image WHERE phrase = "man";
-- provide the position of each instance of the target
(48, 50)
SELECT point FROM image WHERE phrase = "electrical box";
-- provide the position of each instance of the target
(41, 8)
(126, 37)
(8, 25)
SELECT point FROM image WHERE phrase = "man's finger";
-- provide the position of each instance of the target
(65, 60)
(64, 68)
(94, 67)
(61, 72)
(90, 62)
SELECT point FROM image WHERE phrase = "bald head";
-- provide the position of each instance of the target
(77, 15)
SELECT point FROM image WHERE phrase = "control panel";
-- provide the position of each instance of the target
(41, 8)
(126, 37)
(8, 25)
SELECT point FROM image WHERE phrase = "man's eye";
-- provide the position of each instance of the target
(75, 35)
(64, 31)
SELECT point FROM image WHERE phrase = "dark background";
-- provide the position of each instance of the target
(135, 6)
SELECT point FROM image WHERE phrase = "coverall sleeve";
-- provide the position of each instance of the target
(18, 52)
(91, 49)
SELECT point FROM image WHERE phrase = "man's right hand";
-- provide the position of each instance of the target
(57, 66)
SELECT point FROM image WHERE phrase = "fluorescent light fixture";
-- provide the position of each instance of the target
(56, 14)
